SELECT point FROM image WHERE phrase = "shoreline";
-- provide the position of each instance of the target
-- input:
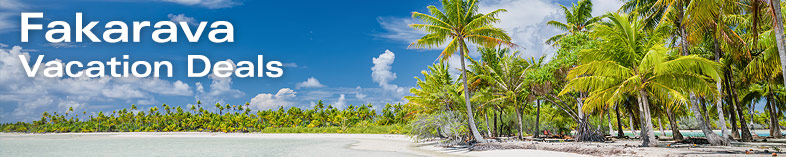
(365, 142)
(405, 146)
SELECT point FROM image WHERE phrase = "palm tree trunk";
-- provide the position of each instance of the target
(619, 123)
(718, 103)
(712, 138)
(521, 126)
(704, 112)
(675, 130)
(608, 117)
(537, 120)
(471, 118)
(750, 113)
(732, 92)
(647, 133)
(660, 125)
(488, 129)
(776, 8)
(632, 128)
(733, 120)
(497, 131)
(775, 129)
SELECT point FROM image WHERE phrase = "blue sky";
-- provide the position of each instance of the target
(341, 52)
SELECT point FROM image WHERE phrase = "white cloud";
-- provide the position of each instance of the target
(309, 83)
(381, 74)
(266, 101)
(64, 45)
(125, 91)
(11, 5)
(398, 29)
(359, 94)
(341, 102)
(9, 11)
(601, 7)
(211, 4)
(525, 22)
(220, 87)
(290, 65)
(27, 97)
(182, 18)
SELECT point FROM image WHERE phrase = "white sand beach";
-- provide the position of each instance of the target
(238, 144)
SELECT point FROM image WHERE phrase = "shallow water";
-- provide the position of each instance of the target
(178, 146)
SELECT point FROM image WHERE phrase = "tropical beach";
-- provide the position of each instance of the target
(237, 144)
(590, 78)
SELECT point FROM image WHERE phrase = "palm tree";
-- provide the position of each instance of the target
(538, 86)
(220, 108)
(640, 67)
(578, 18)
(780, 41)
(199, 105)
(764, 68)
(458, 23)
(685, 15)
(507, 80)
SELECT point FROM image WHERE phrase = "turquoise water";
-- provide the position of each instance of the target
(179, 146)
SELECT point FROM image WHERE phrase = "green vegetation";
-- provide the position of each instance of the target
(679, 63)
(460, 23)
(230, 118)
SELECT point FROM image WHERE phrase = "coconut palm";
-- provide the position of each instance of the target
(631, 61)
(507, 80)
(436, 90)
(764, 68)
(578, 18)
(688, 16)
(538, 86)
(459, 23)
(779, 36)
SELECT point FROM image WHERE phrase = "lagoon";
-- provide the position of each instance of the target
(181, 145)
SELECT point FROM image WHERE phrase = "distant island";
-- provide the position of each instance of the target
(225, 118)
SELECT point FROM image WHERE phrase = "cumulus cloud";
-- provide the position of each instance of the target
(210, 4)
(220, 87)
(182, 18)
(309, 83)
(381, 74)
(282, 98)
(27, 97)
(341, 102)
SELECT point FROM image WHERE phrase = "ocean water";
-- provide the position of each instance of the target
(179, 146)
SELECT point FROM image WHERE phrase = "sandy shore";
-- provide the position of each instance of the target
(371, 142)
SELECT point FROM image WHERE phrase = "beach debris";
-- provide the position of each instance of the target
(694, 141)
(588, 150)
